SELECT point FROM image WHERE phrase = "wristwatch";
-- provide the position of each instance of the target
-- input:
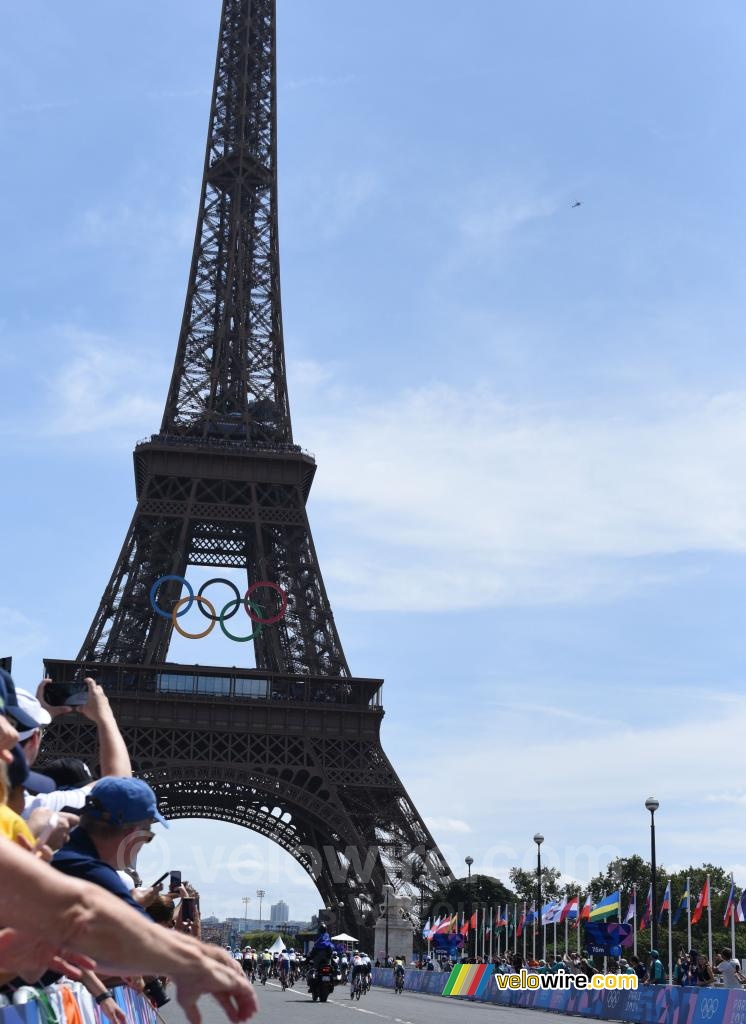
(103, 996)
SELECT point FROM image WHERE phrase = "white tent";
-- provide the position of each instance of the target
(343, 938)
(277, 946)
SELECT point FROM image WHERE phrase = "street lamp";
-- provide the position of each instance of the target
(469, 861)
(420, 880)
(539, 839)
(246, 900)
(652, 805)
(261, 893)
(386, 890)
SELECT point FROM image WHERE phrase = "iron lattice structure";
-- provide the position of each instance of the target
(292, 748)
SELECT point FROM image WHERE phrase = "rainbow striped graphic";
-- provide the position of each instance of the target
(468, 980)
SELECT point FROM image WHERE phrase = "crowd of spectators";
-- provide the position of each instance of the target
(691, 968)
(73, 904)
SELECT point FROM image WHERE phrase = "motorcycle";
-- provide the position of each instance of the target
(321, 982)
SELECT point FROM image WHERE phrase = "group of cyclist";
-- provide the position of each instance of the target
(287, 967)
(261, 965)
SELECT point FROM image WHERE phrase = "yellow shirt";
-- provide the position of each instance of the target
(12, 825)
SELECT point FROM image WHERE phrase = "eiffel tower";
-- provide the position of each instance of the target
(290, 749)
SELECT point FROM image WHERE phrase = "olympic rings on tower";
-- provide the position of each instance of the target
(252, 608)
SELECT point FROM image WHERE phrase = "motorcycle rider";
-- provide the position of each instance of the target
(320, 955)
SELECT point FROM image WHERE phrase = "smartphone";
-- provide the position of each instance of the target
(187, 909)
(159, 880)
(175, 881)
(71, 695)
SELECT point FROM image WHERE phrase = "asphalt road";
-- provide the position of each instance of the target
(380, 1006)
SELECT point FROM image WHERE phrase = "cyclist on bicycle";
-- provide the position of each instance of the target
(283, 967)
(398, 974)
(293, 967)
(357, 971)
(265, 965)
(367, 971)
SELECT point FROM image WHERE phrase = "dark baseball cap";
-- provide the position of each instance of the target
(9, 704)
(68, 772)
(19, 774)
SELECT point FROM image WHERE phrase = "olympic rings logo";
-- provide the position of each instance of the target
(252, 608)
(708, 1008)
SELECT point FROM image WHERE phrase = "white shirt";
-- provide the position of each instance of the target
(57, 800)
(727, 971)
(127, 879)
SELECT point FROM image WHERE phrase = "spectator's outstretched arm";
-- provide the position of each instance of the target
(112, 751)
(85, 919)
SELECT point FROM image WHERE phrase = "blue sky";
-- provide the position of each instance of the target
(529, 419)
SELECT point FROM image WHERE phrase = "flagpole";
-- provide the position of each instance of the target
(670, 939)
(634, 917)
(515, 928)
(688, 914)
(733, 919)
(577, 923)
(544, 936)
(507, 928)
(525, 936)
(709, 920)
(554, 922)
(533, 948)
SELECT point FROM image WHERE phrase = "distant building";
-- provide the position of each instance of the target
(279, 913)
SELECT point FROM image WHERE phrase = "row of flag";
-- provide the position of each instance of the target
(557, 912)
(734, 906)
(568, 909)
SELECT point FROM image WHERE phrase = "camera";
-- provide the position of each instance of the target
(156, 993)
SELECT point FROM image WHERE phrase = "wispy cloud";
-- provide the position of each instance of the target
(448, 825)
(534, 504)
(19, 634)
(317, 82)
(528, 709)
(102, 389)
(330, 202)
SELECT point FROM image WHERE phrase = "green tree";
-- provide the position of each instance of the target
(257, 940)
(484, 891)
(524, 883)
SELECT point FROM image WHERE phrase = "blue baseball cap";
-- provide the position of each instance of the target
(9, 704)
(19, 774)
(122, 802)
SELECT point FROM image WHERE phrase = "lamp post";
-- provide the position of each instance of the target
(261, 893)
(539, 839)
(652, 805)
(469, 861)
(387, 889)
(246, 900)
(420, 881)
